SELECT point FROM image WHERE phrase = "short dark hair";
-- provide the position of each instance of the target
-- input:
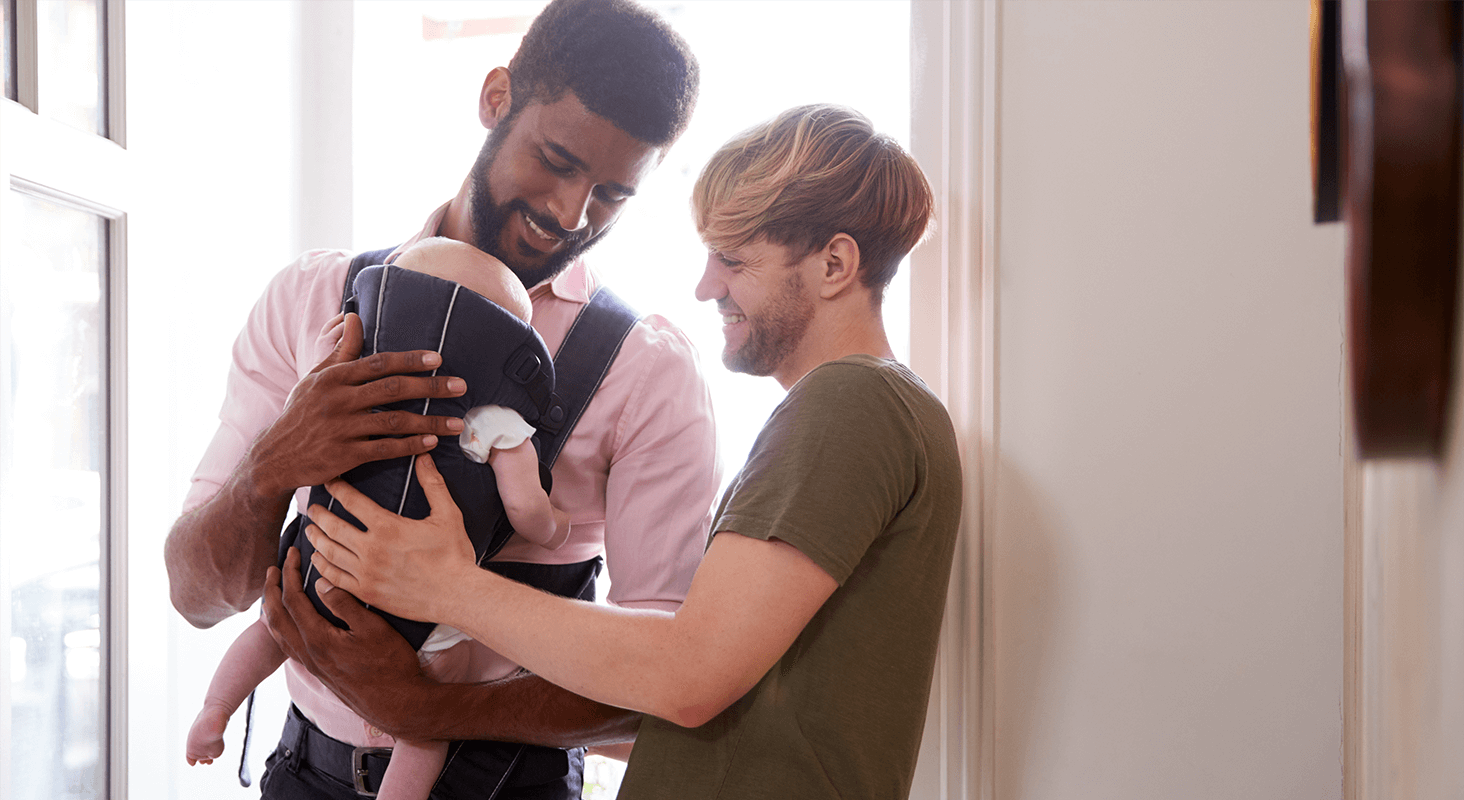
(620, 59)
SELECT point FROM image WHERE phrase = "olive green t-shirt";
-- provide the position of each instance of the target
(857, 468)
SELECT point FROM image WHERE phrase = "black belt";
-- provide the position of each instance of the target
(359, 767)
(474, 769)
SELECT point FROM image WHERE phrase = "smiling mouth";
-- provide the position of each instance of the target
(539, 232)
(729, 318)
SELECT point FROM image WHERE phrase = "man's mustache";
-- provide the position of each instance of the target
(546, 223)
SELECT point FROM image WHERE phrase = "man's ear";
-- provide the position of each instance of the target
(495, 98)
(839, 262)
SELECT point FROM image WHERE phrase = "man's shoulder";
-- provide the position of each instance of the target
(871, 389)
(858, 377)
(321, 265)
(656, 332)
(660, 355)
(297, 300)
(312, 271)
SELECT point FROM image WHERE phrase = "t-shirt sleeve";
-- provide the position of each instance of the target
(830, 469)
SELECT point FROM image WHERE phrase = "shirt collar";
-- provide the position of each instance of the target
(573, 284)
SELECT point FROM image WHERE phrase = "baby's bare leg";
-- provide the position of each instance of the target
(252, 657)
(412, 771)
(415, 765)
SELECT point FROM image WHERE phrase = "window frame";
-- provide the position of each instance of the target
(54, 162)
(114, 61)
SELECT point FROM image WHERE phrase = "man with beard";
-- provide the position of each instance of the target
(800, 664)
(596, 94)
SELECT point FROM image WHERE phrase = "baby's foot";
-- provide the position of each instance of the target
(206, 737)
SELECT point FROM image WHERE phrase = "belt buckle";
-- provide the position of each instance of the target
(359, 773)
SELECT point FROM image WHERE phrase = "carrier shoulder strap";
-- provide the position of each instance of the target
(590, 347)
(360, 262)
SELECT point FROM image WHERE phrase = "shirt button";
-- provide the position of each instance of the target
(374, 731)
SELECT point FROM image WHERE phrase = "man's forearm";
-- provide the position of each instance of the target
(521, 708)
(217, 554)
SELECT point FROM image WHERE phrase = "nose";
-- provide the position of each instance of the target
(711, 287)
(571, 205)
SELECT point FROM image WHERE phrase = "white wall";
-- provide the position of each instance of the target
(1167, 547)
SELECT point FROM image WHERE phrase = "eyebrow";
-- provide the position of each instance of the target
(579, 163)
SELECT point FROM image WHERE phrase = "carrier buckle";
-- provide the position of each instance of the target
(524, 365)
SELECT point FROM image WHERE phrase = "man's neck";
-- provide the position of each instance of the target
(834, 338)
(457, 220)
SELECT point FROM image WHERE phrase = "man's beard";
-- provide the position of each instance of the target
(775, 332)
(489, 218)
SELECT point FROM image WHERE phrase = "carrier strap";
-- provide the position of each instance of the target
(590, 347)
(360, 262)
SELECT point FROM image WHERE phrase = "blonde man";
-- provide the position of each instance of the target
(800, 663)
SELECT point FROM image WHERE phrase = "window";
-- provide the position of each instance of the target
(71, 47)
(53, 473)
(61, 401)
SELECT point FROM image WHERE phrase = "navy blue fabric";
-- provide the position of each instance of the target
(588, 350)
(504, 363)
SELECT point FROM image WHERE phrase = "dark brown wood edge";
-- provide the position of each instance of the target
(1402, 210)
(1326, 114)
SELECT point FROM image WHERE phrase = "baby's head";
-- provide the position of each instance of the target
(477, 271)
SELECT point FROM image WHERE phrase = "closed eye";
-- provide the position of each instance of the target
(609, 196)
(558, 169)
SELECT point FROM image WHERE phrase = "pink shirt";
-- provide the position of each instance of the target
(637, 476)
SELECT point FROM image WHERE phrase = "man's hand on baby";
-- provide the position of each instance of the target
(369, 666)
(328, 427)
(403, 566)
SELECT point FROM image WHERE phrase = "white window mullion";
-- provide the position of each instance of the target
(25, 53)
(114, 550)
(47, 153)
(115, 64)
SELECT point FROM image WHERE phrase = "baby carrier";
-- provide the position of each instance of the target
(550, 394)
(504, 362)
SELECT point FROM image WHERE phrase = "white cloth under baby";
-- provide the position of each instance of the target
(441, 638)
(488, 427)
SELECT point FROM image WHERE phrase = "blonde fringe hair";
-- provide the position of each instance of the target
(808, 174)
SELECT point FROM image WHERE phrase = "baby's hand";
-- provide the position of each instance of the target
(206, 737)
(561, 528)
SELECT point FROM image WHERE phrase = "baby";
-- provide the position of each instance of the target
(493, 434)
